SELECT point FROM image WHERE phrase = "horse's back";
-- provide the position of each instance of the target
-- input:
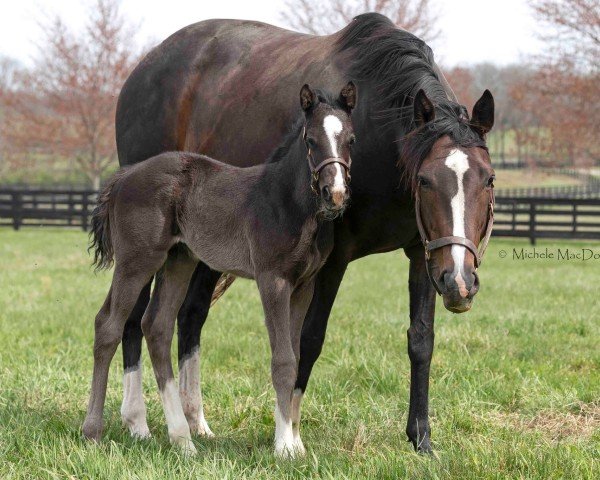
(226, 88)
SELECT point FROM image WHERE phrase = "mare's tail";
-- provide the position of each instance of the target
(100, 240)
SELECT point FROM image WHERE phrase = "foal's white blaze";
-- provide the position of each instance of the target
(458, 162)
(133, 409)
(177, 425)
(191, 394)
(333, 127)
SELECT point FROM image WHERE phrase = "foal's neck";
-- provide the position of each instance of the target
(289, 179)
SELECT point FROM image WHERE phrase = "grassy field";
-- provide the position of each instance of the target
(515, 383)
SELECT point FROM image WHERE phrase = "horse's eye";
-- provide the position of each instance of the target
(352, 140)
(490, 182)
(311, 142)
(423, 182)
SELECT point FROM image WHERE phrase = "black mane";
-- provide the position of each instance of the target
(399, 64)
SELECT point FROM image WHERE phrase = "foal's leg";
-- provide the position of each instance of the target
(109, 324)
(300, 301)
(133, 409)
(158, 325)
(190, 320)
(420, 348)
(275, 294)
(326, 286)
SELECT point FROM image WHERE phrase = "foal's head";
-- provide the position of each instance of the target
(453, 182)
(329, 135)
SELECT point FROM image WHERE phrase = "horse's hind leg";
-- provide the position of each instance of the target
(133, 409)
(110, 320)
(158, 326)
(190, 319)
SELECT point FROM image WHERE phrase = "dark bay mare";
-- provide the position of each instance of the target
(216, 86)
(270, 222)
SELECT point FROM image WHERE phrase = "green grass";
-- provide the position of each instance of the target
(515, 386)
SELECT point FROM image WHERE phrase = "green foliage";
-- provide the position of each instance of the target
(515, 382)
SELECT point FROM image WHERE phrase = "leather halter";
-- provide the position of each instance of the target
(431, 245)
(316, 169)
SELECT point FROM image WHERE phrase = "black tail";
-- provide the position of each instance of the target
(100, 240)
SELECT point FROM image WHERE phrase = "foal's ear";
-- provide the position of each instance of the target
(308, 98)
(424, 110)
(348, 96)
(482, 119)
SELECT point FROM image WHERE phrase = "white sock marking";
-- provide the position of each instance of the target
(191, 394)
(179, 431)
(284, 436)
(333, 127)
(458, 162)
(296, 403)
(133, 409)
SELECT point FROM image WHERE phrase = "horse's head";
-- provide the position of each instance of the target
(328, 135)
(453, 186)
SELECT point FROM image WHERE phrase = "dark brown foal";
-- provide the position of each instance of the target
(271, 223)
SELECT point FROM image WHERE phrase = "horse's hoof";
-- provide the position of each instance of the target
(204, 430)
(92, 429)
(186, 446)
(289, 452)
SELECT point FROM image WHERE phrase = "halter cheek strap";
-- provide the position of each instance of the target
(316, 169)
(454, 240)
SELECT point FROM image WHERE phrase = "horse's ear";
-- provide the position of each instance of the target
(348, 96)
(308, 98)
(424, 110)
(482, 119)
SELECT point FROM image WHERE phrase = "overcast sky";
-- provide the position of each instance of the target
(474, 31)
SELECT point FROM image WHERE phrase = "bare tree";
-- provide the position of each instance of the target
(65, 105)
(327, 16)
(572, 30)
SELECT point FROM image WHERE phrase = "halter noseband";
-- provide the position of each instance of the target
(454, 240)
(316, 169)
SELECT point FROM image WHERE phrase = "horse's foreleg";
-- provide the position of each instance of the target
(326, 287)
(190, 320)
(133, 409)
(420, 348)
(158, 325)
(300, 301)
(275, 294)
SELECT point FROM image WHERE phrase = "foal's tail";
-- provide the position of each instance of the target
(100, 240)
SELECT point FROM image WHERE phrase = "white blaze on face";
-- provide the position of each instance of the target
(333, 127)
(458, 162)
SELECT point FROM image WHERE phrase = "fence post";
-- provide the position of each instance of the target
(84, 211)
(532, 222)
(17, 209)
(574, 218)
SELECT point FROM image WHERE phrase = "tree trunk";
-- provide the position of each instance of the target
(96, 182)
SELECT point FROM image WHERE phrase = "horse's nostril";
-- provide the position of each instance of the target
(326, 192)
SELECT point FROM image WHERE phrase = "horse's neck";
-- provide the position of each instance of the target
(290, 179)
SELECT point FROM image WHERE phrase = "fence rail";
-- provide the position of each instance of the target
(561, 218)
(530, 217)
(56, 207)
(570, 191)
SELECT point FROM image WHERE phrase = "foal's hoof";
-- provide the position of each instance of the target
(92, 429)
(203, 429)
(186, 446)
(289, 452)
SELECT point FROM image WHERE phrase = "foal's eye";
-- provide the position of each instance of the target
(423, 182)
(490, 182)
(352, 140)
(311, 142)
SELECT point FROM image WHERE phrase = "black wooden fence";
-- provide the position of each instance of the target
(535, 217)
(45, 206)
(527, 217)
